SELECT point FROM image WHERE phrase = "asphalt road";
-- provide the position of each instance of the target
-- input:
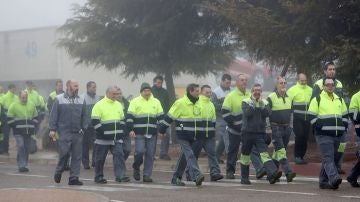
(302, 189)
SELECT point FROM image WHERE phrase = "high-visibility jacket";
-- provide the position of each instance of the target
(143, 115)
(22, 118)
(280, 108)
(8, 99)
(232, 111)
(108, 119)
(1, 121)
(37, 100)
(51, 99)
(187, 117)
(208, 115)
(301, 96)
(329, 116)
(354, 111)
(318, 87)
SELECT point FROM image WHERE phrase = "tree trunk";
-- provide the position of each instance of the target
(170, 84)
(172, 96)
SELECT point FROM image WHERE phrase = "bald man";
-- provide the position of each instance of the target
(68, 119)
(300, 94)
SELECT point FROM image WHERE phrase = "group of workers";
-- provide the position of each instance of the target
(236, 119)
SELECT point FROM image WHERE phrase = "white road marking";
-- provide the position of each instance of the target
(93, 188)
(357, 197)
(116, 201)
(260, 181)
(151, 186)
(283, 192)
(27, 175)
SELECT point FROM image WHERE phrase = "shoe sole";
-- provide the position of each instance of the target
(216, 179)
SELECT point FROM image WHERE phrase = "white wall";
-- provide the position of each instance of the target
(32, 55)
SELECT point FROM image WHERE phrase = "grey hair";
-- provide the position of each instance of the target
(110, 88)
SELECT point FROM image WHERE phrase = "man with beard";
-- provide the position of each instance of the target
(68, 119)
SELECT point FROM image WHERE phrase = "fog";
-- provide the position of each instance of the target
(23, 14)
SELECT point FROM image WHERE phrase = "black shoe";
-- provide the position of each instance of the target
(57, 178)
(100, 181)
(23, 170)
(325, 186)
(75, 182)
(230, 176)
(275, 177)
(86, 167)
(353, 182)
(216, 177)
(290, 176)
(199, 179)
(147, 179)
(136, 174)
(245, 181)
(122, 179)
(177, 182)
(260, 174)
(336, 183)
(165, 157)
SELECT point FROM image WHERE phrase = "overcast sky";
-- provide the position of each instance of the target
(22, 14)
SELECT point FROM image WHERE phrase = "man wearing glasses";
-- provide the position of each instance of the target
(280, 105)
(328, 115)
(330, 72)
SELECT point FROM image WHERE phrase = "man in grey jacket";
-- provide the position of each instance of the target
(68, 118)
(89, 134)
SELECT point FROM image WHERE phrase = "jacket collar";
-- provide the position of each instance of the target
(240, 92)
(279, 96)
(66, 95)
(204, 98)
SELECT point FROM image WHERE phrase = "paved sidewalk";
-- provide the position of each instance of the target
(53, 195)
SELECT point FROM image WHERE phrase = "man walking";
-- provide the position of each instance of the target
(255, 111)
(22, 117)
(186, 112)
(330, 72)
(218, 97)
(232, 114)
(89, 134)
(163, 96)
(68, 119)
(300, 94)
(328, 114)
(206, 138)
(354, 113)
(280, 105)
(108, 120)
(142, 117)
(6, 100)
